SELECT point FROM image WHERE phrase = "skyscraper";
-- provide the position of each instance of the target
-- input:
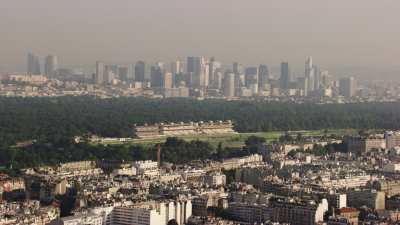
(213, 67)
(99, 76)
(33, 64)
(308, 65)
(176, 67)
(51, 66)
(302, 84)
(218, 80)
(123, 73)
(167, 80)
(156, 75)
(285, 76)
(229, 85)
(347, 87)
(317, 78)
(263, 76)
(140, 71)
(251, 76)
(310, 74)
(237, 68)
(326, 80)
(197, 68)
(109, 75)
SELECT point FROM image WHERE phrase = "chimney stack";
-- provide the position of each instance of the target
(159, 155)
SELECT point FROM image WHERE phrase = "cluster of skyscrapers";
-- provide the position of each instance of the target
(206, 77)
(50, 65)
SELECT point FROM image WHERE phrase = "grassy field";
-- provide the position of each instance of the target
(237, 140)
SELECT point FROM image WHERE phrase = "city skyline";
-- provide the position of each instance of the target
(183, 112)
(202, 66)
(203, 77)
(274, 71)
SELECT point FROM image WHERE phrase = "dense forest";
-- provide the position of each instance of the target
(52, 122)
(54, 118)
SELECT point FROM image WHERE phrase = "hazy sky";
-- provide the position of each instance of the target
(335, 32)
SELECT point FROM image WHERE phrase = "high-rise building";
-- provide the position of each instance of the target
(33, 64)
(167, 80)
(317, 78)
(198, 70)
(347, 87)
(302, 84)
(51, 66)
(99, 76)
(285, 76)
(109, 74)
(229, 85)
(176, 67)
(213, 67)
(140, 71)
(239, 80)
(310, 74)
(123, 73)
(156, 75)
(113, 68)
(263, 76)
(308, 65)
(218, 80)
(326, 80)
(237, 68)
(251, 76)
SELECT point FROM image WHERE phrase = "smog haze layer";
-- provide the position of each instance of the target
(338, 34)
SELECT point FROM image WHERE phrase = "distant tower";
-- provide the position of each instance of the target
(347, 87)
(51, 66)
(263, 76)
(99, 76)
(140, 71)
(310, 74)
(317, 78)
(176, 67)
(251, 76)
(33, 64)
(237, 68)
(123, 73)
(325, 79)
(109, 74)
(308, 65)
(156, 75)
(285, 76)
(229, 85)
(211, 69)
(218, 80)
(302, 84)
(167, 80)
(197, 67)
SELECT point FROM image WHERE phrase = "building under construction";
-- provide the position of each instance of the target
(183, 129)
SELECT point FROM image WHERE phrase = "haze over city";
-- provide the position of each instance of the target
(340, 34)
(207, 112)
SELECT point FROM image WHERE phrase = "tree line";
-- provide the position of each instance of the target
(54, 118)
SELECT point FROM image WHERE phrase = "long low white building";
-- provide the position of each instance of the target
(147, 213)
